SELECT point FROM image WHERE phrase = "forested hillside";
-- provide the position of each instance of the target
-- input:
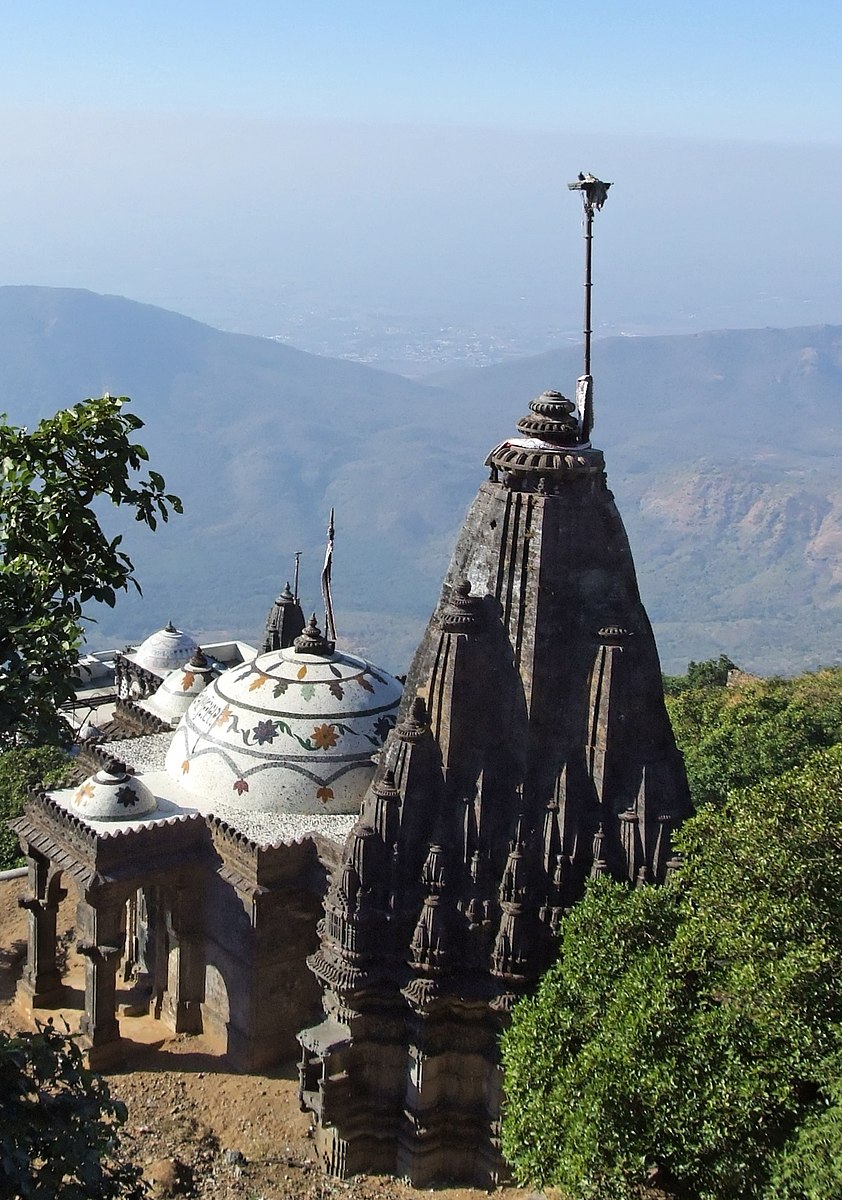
(722, 448)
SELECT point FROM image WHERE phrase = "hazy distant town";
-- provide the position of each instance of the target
(411, 348)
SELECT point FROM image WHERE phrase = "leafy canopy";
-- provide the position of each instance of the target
(713, 672)
(694, 1031)
(23, 769)
(54, 555)
(737, 737)
(59, 1137)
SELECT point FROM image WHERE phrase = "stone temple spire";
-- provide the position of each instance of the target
(284, 622)
(534, 751)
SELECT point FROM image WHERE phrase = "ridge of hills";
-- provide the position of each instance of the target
(722, 448)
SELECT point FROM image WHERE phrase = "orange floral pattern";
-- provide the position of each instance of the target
(324, 737)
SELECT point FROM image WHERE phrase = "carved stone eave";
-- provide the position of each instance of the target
(345, 979)
(134, 720)
(119, 855)
(331, 1034)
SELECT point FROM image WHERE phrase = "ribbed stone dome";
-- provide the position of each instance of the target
(293, 731)
(165, 650)
(180, 689)
(112, 794)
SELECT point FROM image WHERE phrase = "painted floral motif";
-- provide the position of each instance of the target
(336, 690)
(382, 726)
(307, 691)
(324, 794)
(223, 716)
(302, 671)
(324, 737)
(185, 766)
(280, 687)
(334, 670)
(259, 682)
(126, 798)
(363, 682)
(264, 731)
(84, 792)
(240, 786)
(187, 681)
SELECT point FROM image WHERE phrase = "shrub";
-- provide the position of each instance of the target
(696, 1029)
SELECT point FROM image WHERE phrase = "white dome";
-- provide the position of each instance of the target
(165, 650)
(180, 688)
(290, 732)
(113, 795)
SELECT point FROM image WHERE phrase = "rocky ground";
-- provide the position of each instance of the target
(197, 1127)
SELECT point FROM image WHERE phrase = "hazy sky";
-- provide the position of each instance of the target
(240, 161)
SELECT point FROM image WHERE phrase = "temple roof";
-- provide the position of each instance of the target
(180, 688)
(112, 794)
(293, 731)
(165, 650)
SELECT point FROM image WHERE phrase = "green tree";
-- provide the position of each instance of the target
(712, 672)
(736, 737)
(59, 1132)
(55, 556)
(696, 1029)
(23, 769)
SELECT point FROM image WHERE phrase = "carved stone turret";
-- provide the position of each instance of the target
(284, 622)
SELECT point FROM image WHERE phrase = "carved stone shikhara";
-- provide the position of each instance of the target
(534, 750)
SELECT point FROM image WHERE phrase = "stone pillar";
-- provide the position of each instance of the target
(182, 1002)
(41, 985)
(100, 922)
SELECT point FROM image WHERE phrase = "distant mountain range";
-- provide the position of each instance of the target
(723, 450)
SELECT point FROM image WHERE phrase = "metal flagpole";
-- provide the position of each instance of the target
(295, 576)
(594, 194)
(330, 626)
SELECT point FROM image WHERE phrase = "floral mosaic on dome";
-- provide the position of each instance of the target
(287, 734)
(126, 798)
(323, 737)
(307, 686)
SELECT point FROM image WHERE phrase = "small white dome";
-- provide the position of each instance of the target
(290, 732)
(180, 688)
(112, 794)
(165, 650)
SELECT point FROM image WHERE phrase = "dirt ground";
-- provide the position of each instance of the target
(230, 1135)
